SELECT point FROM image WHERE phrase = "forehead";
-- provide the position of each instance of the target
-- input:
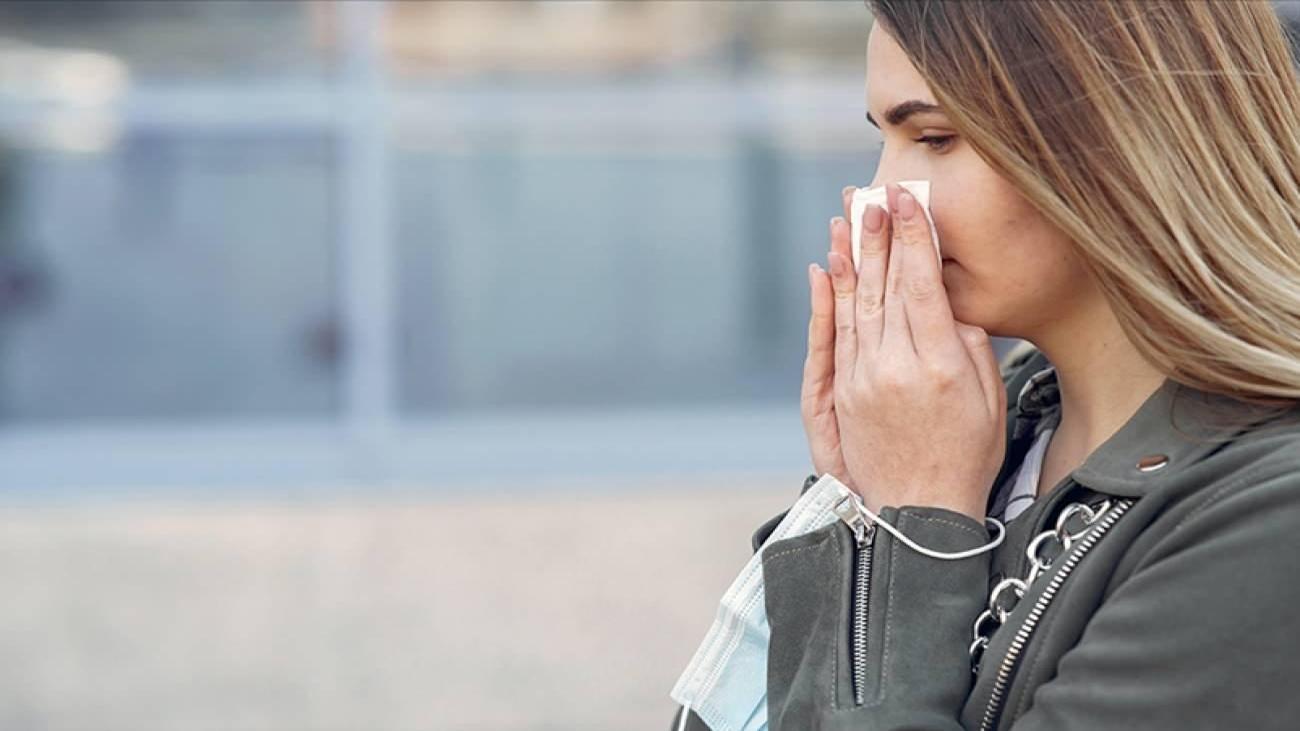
(891, 77)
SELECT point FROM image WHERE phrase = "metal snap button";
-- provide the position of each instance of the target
(1152, 462)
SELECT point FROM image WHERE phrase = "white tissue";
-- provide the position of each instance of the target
(863, 197)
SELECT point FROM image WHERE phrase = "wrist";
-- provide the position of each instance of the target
(968, 510)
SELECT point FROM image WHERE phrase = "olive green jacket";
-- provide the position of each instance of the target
(1181, 612)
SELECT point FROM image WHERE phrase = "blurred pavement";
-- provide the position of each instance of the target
(501, 612)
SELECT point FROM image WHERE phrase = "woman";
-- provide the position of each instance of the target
(1118, 184)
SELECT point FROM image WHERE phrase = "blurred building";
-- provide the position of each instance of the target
(378, 241)
(255, 247)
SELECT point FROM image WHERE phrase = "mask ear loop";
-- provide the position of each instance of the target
(681, 724)
(873, 519)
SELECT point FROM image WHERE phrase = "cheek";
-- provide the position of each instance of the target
(1004, 265)
(995, 234)
(1010, 263)
(966, 224)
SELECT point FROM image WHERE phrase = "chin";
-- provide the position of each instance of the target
(971, 313)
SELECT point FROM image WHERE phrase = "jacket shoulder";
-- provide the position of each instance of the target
(1264, 453)
(1257, 470)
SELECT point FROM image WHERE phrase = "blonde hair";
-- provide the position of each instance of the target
(1163, 138)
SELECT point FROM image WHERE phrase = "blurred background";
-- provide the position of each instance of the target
(400, 365)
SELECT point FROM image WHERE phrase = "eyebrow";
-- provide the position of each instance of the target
(899, 113)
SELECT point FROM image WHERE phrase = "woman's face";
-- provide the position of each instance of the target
(1006, 268)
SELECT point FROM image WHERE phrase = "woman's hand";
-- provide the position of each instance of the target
(918, 399)
(816, 399)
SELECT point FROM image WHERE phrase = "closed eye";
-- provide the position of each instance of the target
(936, 143)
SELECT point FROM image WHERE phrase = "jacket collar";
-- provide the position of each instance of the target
(1175, 426)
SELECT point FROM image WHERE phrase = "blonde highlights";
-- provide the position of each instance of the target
(1163, 138)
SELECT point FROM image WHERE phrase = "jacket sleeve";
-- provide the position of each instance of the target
(763, 531)
(1204, 634)
(915, 671)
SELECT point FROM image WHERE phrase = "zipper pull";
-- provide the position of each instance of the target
(851, 510)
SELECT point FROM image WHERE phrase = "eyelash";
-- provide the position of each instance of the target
(942, 142)
(936, 143)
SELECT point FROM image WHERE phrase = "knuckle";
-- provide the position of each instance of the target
(894, 283)
(808, 405)
(817, 380)
(942, 375)
(921, 289)
(889, 377)
(870, 305)
(873, 248)
(818, 322)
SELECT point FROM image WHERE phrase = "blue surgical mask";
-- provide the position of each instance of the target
(725, 683)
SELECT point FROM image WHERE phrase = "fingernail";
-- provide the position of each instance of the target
(906, 205)
(875, 219)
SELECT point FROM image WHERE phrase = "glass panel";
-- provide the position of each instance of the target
(169, 274)
(584, 279)
(591, 264)
(609, 204)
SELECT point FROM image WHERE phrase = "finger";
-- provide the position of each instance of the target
(819, 367)
(925, 301)
(845, 247)
(895, 334)
(873, 253)
(843, 283)
(979, 346)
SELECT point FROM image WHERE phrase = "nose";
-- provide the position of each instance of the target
(885, 170)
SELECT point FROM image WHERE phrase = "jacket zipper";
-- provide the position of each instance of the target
(1021, 639)
(864, 531)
